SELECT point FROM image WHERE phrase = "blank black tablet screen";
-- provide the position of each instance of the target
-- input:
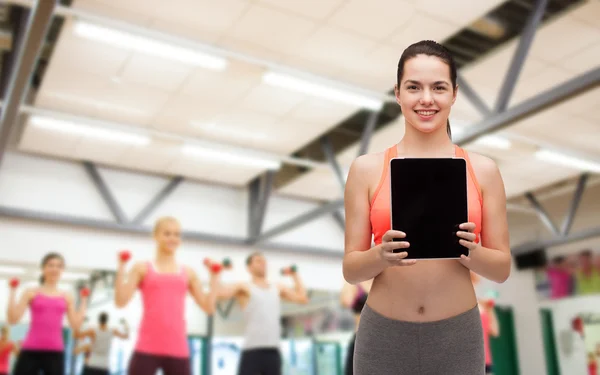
(428, 203)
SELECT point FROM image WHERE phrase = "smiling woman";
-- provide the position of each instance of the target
(422, 317)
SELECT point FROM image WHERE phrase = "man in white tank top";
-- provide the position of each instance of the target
(260, 302)
(98, 362)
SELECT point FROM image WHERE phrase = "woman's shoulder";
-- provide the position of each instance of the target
(371, 163)
(484, 167)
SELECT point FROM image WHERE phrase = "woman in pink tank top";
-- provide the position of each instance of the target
(162, 338)
(42, 350)
(7, 347)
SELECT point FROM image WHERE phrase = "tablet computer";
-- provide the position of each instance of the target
(428, 202)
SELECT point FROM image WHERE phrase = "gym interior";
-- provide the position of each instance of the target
(241, 118)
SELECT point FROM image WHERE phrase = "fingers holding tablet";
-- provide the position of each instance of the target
(391, 251)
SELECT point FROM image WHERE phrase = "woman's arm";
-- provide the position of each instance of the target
(491, 257)
(361, 261)
(16, 310)
(347, 295)
(75, 316)
(206, 301)
(77, 334)
(126, 287)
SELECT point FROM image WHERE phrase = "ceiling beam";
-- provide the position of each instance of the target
(518, 60)
(556, 241)
(529, 107)
(103, 225)
(28, 50)
(157, 200)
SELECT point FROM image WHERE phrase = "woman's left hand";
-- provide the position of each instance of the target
(467, 238)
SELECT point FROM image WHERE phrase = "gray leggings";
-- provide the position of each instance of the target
(452, 346)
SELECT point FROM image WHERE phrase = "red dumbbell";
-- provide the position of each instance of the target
(84, 292)
(125, 255)
(14, 283)
(213, 266)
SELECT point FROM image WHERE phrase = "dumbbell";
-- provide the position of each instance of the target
(84, 292)
(124, 255)
(490, 303)
(14, 283)
(212, 266)
(289, 270)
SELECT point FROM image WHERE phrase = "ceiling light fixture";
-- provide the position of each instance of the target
(89, 131)
(311, 88)
(231, 157)
(494, 141)
(567, 161)
(12, 270)
(148, 46)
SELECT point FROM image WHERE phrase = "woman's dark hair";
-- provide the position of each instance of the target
(429, 48)
(48, 257)
(103, 318)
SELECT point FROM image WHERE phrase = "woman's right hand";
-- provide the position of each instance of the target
(387, 247)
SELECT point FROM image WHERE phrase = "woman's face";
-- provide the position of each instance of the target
(168, 236)
(425, 93)
(52, 270)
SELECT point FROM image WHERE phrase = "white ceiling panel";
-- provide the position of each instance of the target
(101, 152)
(384, 16)
(271, 100)
(320, 112)
(555, 41)
(48, 142)
(74, 52)
(272, 28)
(226, 86)
(206, 170)
(203, 20)
(134, 11)
(182, 111)
(422, 27)
(315, 9)
(317, 184)
(333, 46)
(154, 158)
(582, 62)
(588, 12)
(156, 72)
(463, 12)
(376, 70)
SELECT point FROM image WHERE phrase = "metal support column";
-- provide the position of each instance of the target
(512, 75)
(157, 200)
(327, 147)
(542, 214)
(104, 191)
(210, 331)
(302, 219)
(568, 221)
(365, 139)
(529, 107)
(28, 51)
(466, 89)
(258, 199)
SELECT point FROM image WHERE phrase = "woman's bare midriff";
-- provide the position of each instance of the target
(428, 291)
